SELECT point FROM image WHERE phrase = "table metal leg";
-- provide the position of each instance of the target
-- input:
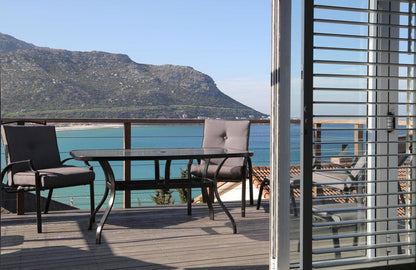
(217, 195)
(92, 218)
(110, 182)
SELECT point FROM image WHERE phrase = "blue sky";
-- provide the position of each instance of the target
(227, 39)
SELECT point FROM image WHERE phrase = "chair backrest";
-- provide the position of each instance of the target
(402, 156)
(402, 147)
(37, 143)
(228, 134)
(359, 167)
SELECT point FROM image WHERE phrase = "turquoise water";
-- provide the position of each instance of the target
(143, 136)
(169, 136)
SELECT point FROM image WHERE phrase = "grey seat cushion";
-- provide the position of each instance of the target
(226, 172)
(62, 176)
(335, 178)
(351, 211)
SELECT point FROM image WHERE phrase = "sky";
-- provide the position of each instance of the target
(228, 40)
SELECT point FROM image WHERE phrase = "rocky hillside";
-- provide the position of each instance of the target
(43, 82)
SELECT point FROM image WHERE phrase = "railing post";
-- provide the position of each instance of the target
(127, 163)
(317, 145)
(358, 137)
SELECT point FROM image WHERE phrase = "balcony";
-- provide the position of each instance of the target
(159, 237)
(134, 235)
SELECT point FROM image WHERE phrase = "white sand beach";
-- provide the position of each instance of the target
(64, 127)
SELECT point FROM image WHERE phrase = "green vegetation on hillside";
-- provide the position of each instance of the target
(43, 82)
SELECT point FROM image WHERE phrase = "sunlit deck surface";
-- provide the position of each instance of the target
(154, 237)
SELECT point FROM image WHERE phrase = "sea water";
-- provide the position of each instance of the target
(156, 136)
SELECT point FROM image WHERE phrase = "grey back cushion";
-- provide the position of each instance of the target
(402, 156)
(37, 143)
(402, 149)
(359, 166)
(228, 134)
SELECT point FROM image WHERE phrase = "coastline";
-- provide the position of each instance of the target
(86, 126)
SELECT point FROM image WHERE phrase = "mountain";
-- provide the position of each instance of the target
(44, 82)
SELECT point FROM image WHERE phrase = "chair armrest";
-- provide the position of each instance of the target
(246, 160)
(29, 162)
(86, 163)
(65, 160)
(249, 168)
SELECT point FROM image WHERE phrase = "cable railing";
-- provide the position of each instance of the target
(134, 133)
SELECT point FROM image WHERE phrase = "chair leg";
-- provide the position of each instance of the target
(38, 210)
(48, 201)
(399, 248)
(92, 200)
(250, 180)
(211, 194)
(189, 200)
(243, 198)
(209, 203)
(260, 195)
(293, 199)
(336, 241)
(204, 194)
(355, 238)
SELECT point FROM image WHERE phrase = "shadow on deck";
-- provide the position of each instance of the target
(154, 237)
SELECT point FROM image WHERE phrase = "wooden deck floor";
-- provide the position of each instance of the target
(139, 238)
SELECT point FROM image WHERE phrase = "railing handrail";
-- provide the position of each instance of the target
(125, 120)
(177, 120)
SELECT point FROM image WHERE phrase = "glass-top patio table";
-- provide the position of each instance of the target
(104, 156)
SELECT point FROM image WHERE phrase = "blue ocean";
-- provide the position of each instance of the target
(153, 136)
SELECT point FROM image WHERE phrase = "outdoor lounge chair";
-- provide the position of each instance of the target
(343, 210)
(228, 134)
(33, 163)
(265, 182)
(347, 210)
(335, 180)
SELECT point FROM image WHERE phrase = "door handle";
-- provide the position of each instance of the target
(391, 122)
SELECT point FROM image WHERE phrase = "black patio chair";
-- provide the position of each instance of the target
(265, 183)
(34, 164)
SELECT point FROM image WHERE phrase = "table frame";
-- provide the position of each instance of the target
(157, 183)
